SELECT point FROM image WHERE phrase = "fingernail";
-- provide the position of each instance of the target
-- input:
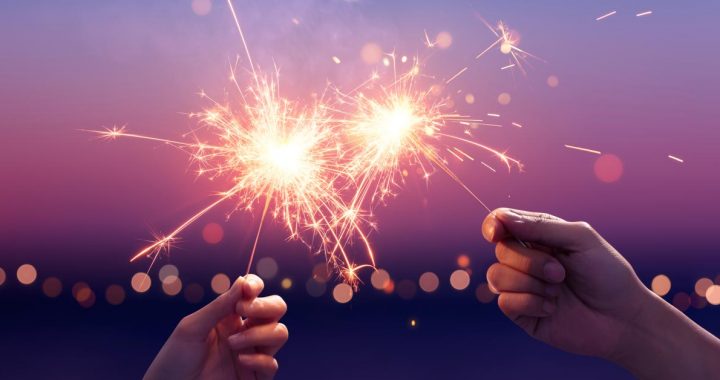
(552, 290)
(488, 230)
(554, 272)
(492, 288)
(549, 307)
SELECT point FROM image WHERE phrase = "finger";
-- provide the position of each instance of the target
(264, 366)
(515, 305)
(506, 279)
(539, 228)
(199, 323)
(252, 287)
(270, 308)
(536, 263)
(271, 337)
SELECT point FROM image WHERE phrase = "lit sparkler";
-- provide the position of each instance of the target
(405, 124)
(277, 154)
(297, 163)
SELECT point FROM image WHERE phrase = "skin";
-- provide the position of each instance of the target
(571, 289)
(233, 337)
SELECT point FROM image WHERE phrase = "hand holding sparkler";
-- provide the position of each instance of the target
(216, 342)
(574, 291)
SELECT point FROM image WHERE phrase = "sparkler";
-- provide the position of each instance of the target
(278, 154)
(404, 123)
(298, 163)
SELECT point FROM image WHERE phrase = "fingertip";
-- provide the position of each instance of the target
(252, 287)
(492, 229)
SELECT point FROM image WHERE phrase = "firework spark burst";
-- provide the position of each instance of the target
(320, 169)
(405, 123)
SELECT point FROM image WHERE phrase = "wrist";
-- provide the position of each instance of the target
(660, 342)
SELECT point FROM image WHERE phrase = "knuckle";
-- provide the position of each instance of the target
(184, 326)
(584, 225)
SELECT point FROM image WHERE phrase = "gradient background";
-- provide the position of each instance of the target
(77, 208)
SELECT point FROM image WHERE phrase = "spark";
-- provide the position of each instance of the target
(320, 169)
(489, 167)
(646, 13)
(678, 159)
(508, 42)
(508, 66)
(405, 122)
(517, 124)
(593, 151)
(275, 153)
(456, 75)
(606, 15)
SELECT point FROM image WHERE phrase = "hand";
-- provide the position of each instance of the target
(568, 287)
(216, 342)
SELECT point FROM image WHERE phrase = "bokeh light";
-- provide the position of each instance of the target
(460, 279)
(553, 81)
(194, 293)
(429, 282)
(26, 274)
(681, 301)
(698, 302)
(371, 53)
(413, 323)
(315, 288)
(389, 287)
(406, 289)
(661, 285)
(78, 285)
(484, 294)
(342, 293)
(172, 288)
(702, 285)
(463, 261)
(266, 268)
(84, 295)
(213, 233)
(379, 279)
(504, 99)
(2, 276)
(713, 295)
(52, 287)
(168, 273)
(115, 294)
(140, 282)
(286, 283)
(321, 273)
(443, 40)
(220, 283)
(469, 98)
(608, 168)
(201, 7)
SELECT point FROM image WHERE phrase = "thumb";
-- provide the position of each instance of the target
(200, 323)
(545, 229)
